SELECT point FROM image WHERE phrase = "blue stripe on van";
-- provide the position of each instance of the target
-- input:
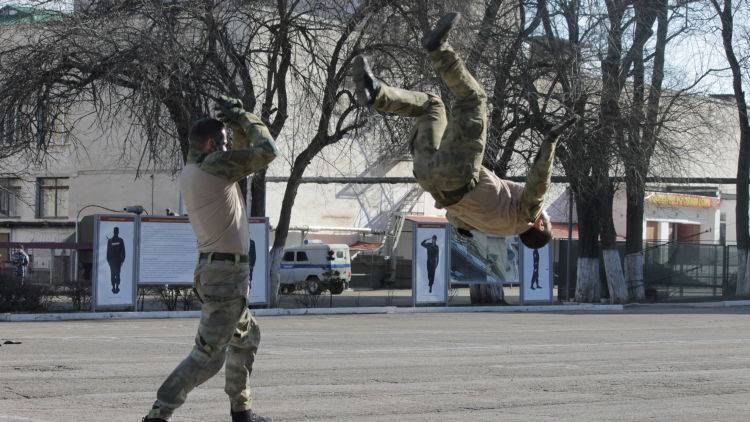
(291, 266)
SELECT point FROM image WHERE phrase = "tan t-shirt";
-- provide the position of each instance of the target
(216, 211)
(491, 207)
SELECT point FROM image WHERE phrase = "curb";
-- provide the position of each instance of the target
(94, 316)
(722, 304)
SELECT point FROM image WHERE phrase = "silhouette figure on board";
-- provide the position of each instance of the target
(252, 257)
(115, 258)
(433, 252)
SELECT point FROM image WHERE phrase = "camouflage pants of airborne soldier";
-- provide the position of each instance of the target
(227, 332)
(448, 152)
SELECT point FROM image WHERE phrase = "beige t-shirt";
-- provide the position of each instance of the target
(491, 207)
(216, 211)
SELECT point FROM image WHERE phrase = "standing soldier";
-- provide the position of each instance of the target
(448, 152)
(433, 255)
(215, 205)
(115, 258)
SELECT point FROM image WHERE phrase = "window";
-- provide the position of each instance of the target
(288, 257)
(301, 256)
(10, 191)
(52, 199)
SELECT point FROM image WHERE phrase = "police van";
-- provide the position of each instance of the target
(316, 267)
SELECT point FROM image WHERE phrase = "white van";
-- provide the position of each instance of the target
(316, 267)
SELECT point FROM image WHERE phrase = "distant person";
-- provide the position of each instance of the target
(115, 258)
(20, 260)
(433, 256)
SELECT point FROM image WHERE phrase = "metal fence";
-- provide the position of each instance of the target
(672, 271)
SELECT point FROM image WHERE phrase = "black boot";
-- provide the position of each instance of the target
(367, 85)
(434, 39)
(149, 418)
(249, 416)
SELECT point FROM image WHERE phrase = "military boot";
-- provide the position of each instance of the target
(367, 85)
(249, 416)
(434, 39)
(154, 416)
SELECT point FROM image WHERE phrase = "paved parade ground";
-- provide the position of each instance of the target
(652, 364)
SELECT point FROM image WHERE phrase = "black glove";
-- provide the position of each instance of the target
(229, 109)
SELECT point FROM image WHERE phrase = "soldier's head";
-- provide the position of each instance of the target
(434, 238)
(208, 135)
(539, 234)
(116, 231)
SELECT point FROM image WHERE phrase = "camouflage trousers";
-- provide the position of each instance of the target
(227, 333)
(447, 151)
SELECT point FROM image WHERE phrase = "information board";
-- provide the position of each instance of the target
(431, 264)
(536, 275)
(113, 278)
(258, 255)
(168, 250)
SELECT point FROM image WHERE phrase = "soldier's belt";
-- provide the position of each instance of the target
(448, 198)
(220, 256)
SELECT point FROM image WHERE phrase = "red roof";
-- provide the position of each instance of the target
(365, 246)
(560, 231)
(331, 239)
(427, 219)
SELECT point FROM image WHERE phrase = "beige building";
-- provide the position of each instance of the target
(93, 170)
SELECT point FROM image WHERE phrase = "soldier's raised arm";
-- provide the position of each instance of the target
(253, 147)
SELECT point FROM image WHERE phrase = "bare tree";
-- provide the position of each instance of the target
(576, 89)
(726, 12)
(154, 66)
(651, 109)
(341, 33)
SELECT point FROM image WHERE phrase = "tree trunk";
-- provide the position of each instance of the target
(275, 277)
(491, 294)
(618, 292)
(743, 163)
(282, 228)
(587, 283)
(642, 142)
(743, 271)
(610, 121)
(636, 195)
(258, 194)
(634, 275)
(587, 279)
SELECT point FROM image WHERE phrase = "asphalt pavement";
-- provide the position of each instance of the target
(654, 364)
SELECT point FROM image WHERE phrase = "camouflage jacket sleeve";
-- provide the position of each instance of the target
(254, 149)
